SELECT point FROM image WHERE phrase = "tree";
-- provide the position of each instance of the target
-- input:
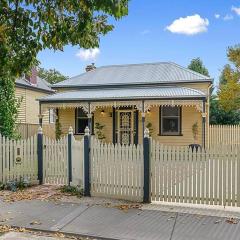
(229, 89)
(197, 65)
(51, 75)
(29, 26)
(219, 116)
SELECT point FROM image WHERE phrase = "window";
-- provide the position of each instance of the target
(170, 121)
(81, 121)
(52, 116)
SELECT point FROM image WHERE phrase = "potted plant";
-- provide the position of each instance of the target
(195, 132)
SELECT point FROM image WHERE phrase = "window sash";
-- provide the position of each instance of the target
(169, 117)
(78, 118)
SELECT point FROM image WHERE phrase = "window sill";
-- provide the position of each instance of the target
(166, 135)
(81, 134)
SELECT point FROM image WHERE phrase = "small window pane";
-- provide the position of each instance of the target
(81, 124)
(81, 113)
(170, 125)
(170, 120)
(52, 116)
(170, 111)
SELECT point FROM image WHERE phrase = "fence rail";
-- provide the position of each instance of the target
(207, 176)
(18, 159)
(224, 135)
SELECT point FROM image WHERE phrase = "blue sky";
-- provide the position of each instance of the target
(206, 29)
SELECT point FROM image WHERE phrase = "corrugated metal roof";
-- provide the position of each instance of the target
(41, 84)
(164, 72)
(130, 93)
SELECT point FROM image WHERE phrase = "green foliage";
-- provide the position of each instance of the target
(15, 185)
(195, 130)
(9, 105)
(58, 129)
(197, 65)
(150, 128)
(28, 27)
(51, 75)
(71, 190)
(229, 89)
(219, 116)
(99, 131)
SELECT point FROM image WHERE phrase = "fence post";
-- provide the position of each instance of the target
(40, 154)
(147, 175)
(86, 162)
(70, 135)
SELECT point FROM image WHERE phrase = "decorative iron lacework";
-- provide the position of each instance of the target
(142, 106)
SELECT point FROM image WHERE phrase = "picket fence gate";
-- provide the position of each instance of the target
(18, 159)
(206, 176)
(55, 160)
(116, 170)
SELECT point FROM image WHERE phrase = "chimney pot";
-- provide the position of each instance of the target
(32, 78)
(90, 67)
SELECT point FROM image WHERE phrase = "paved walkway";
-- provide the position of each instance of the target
(111, 223)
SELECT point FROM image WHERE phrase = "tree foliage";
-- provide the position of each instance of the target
(229, 88)
(51, 75)
(29, 26)
(197, 65)
(220, 116)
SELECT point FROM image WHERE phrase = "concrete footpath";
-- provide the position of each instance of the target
(150, 223)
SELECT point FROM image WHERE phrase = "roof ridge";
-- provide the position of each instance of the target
(134, 64)
(189, 70)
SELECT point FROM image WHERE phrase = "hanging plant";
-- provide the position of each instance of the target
(150, 128)
(195, 131)
(58, 129)
(99, 131)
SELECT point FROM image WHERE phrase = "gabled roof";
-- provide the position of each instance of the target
(126, 94)
(42, 84)
(132, 74)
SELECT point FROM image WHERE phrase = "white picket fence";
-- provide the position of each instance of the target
(224, 135)
(204, 176)
(77, 162)
(55, 160)
(18, 159)
(116, 170)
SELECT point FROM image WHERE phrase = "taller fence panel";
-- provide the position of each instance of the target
(18, 159)
(55, 160)
(207, 176)
(27, 130)
(116, 170)
(224, 135)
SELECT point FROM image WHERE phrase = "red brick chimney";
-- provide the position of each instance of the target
(33, 77)
(90, 67)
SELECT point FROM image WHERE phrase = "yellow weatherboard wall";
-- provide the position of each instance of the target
(29, 107)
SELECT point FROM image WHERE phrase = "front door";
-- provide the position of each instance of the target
(125, 127)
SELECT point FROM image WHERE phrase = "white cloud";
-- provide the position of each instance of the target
(145, 32)
(236, 10)
(88, 54)
(217, 16)
(228, 17)
(189, 25)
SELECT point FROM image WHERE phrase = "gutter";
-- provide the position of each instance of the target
(34, 88)
(121, 99)
(93, 86)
